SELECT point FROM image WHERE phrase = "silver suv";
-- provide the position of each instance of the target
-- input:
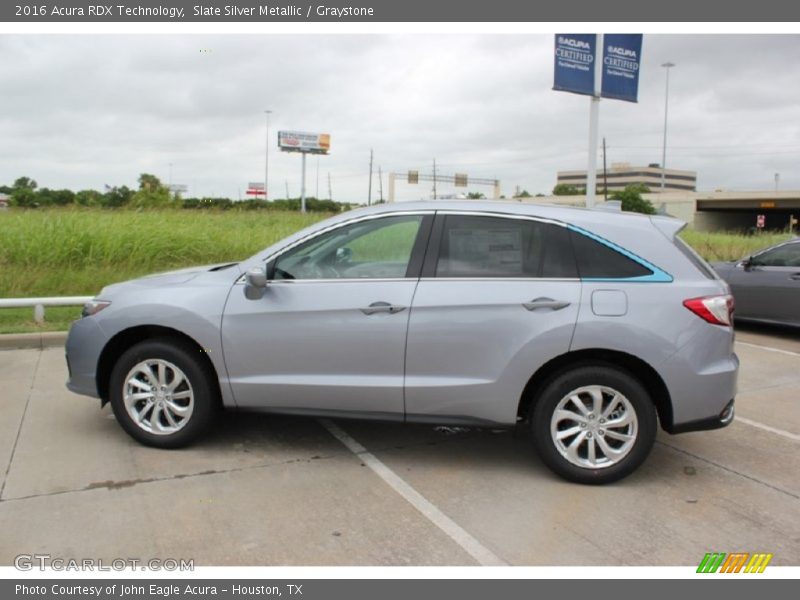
(592, 327)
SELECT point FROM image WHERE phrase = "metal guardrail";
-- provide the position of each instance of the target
(39, 304)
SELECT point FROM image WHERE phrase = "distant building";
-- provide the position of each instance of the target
(4, 201)
(623, 174)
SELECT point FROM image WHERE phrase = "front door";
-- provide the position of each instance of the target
(329, 334)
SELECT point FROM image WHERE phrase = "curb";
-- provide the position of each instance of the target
(38, 341)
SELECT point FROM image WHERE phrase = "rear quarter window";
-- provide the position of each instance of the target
(598, 261)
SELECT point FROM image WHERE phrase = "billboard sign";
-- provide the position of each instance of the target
(574, 62)
(621, 61)
(298, 141)
(255, 188)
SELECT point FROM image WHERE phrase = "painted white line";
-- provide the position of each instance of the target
(769, 348)
(775, 430)
(471, 546)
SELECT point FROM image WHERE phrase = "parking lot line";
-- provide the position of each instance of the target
(769, 348)
(775, 430)
(473, 547)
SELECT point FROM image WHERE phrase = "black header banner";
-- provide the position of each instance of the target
(244, 11)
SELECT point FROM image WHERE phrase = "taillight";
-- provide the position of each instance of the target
(717, 310)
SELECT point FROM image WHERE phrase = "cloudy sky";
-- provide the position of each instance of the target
(82, 111)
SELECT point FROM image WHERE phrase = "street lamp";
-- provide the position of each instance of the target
(266, 159)
(667, 66)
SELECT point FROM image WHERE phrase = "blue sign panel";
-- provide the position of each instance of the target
(574, 62)
(622, 53)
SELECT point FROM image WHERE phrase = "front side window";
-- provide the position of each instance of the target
(473, 246)
(373, 249)
(787, 255)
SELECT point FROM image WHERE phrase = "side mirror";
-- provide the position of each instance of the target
(255, 283)
(747, 263)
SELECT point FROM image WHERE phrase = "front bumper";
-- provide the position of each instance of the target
(85, 342)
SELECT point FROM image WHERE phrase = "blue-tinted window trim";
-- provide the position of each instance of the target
(657, 275)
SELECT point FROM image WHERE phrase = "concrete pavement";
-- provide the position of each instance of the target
(267, 490)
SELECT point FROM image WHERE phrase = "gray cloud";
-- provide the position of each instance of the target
(81, 111)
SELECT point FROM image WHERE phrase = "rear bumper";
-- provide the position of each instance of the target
(719, 421)
(701, 388)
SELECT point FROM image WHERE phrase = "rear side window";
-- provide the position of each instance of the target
(474, 246)
(598, 261)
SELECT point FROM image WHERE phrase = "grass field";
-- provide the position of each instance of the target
(66, 252)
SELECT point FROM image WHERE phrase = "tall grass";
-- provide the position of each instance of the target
(64, 252)
(723, 246)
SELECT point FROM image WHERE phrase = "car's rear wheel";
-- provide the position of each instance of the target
(594, 424)
(162, 393)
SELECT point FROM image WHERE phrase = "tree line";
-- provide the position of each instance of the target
(151, 193)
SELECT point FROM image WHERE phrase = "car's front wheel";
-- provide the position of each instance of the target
(594, 424)
(162, 393)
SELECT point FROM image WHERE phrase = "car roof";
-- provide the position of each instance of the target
(571, 214)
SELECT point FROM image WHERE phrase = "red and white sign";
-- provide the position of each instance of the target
(255, 188)
(761, 221)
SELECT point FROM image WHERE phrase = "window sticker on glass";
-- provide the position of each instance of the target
(488, 250)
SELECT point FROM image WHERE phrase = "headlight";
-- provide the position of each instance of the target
(93, 307)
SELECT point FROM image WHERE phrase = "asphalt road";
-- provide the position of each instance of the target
(267, 490)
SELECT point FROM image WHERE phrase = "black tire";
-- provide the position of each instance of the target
(205, 402)
(605, 376)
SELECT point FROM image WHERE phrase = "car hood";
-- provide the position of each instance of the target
(167, 278)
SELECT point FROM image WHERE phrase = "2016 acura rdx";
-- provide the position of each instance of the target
(591, 326)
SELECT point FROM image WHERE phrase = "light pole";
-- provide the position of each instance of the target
(667, 66)
(266, 159)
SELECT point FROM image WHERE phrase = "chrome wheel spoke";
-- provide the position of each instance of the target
(622, 437)
(615, 401)
(170, 417)
(565, 433)
(139, 384)
(626, 419)
(591, 451)
(177, 379)
(129, 398)
(611, 453)
(181, 411)
(572, 449)
(162, 374)
(575, 399)
(597, 400)
(568, 415)
(155, 419)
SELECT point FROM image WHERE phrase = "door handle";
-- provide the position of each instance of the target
(382, 307)
(545, 303)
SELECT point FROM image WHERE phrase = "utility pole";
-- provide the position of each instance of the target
(330, 191)
(667, 66)
(434, 179)
(266, 158)
(594, 123)
(369, 193)
(605, 173)
(287, 189)
(380, 182)
(303, 184)
(777, 180)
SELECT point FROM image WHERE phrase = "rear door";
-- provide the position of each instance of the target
(498, 297)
